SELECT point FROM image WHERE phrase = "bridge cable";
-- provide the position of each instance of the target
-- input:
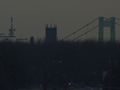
(117, 23)
(79, 29)
(117, 19)
(85, 33)
(90, 30)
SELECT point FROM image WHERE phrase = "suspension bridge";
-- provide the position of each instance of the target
(103, 22)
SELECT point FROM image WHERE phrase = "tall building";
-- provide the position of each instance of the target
(51, 33)
(31, 40)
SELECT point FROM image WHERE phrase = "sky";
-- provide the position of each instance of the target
(31, 16)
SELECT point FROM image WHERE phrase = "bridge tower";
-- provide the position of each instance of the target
(107, 23)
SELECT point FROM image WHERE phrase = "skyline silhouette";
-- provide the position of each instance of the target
(30, 17)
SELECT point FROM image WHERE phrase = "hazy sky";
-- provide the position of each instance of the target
(31, 16)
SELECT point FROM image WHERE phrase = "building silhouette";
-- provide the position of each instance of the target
(11, 36)
(51, 34)
(31, 40)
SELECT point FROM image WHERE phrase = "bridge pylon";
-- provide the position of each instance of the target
(107, 23)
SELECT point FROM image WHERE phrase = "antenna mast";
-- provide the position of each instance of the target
(11, 30)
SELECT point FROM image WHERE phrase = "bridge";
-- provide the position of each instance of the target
(103, 22)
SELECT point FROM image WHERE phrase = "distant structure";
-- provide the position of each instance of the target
(32, 40)
(7, 38)
(107, 23)
(51, 33)
(11, 30)
(22, 40)
(11, 36)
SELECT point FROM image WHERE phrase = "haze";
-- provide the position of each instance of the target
(31, 16)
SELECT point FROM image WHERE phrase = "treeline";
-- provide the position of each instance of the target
(24, 64)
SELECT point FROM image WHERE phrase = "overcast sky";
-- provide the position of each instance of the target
(31, 16)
